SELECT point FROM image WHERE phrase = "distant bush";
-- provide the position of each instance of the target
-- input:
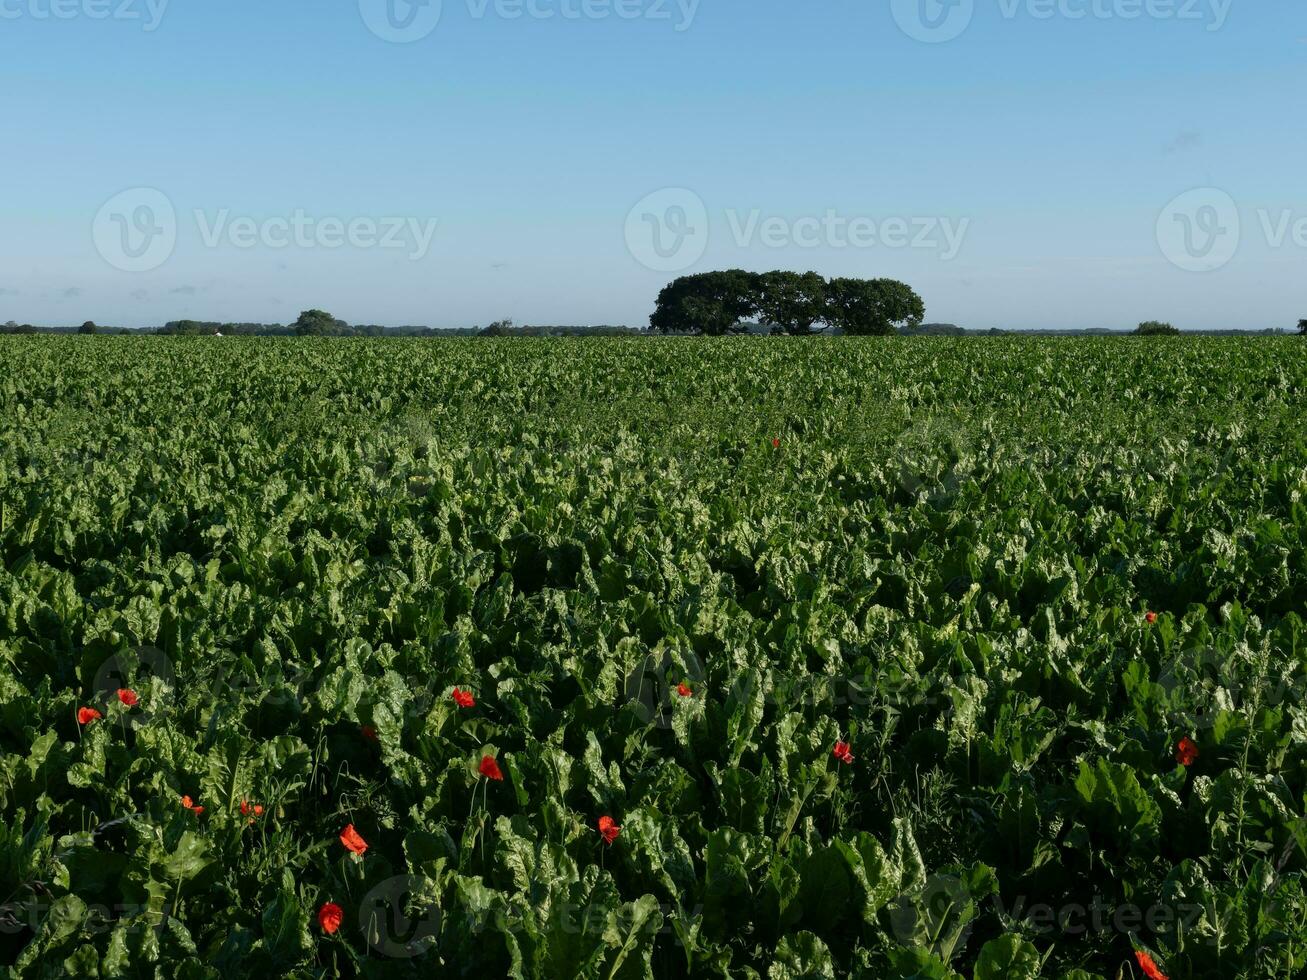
(1156, 328)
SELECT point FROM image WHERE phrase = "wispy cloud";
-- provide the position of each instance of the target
(1185, 140)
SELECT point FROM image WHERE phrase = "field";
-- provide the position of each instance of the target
(672, 575)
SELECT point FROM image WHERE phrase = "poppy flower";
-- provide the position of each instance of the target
(776, 444)
(368, 732)
(87, 715)
(683, 689)
(352, 841)
(247, 809)
(1186, 752)
(330, 917)
(1151, 618)
(463, 699)
(608, 829)
(190, 805)
(490, 769)
(128, 697)
(1149, 966)
(844, 752)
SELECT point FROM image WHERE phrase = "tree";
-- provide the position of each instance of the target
(500, 328)
(794, 300)
(711, 303)
(316, 323)
(88, 327)
(1302, 327)
(872, 307)
(1156, 328)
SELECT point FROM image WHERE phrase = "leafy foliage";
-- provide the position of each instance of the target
(671, 574)
(872, 307)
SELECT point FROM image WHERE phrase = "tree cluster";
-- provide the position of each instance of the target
(800, 303)
(1156, 328)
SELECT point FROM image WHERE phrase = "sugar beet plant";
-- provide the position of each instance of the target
(653, 658)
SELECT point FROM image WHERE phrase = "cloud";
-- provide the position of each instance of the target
(1186, 140)
(72, 292)
(8, 292)
(140, 295)
(184, 291)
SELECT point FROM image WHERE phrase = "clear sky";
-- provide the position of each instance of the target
(1020, 162)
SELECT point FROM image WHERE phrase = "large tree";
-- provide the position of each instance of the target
(795, 300)
(1302, 327)
(710, 303)
(316, 323)
(872, 307)
(88, 327)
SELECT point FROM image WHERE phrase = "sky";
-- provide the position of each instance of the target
(1021, 163)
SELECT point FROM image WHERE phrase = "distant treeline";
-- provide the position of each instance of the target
(316, 323)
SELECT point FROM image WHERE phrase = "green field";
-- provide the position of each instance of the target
(941, 552)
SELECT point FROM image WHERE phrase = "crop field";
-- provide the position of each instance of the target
(628, 658)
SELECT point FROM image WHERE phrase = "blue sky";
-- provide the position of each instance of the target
(1024, 173)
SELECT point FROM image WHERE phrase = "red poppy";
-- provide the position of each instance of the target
(352, 841)
(247, 808)
(844, 752)
(1186, 752)
(776, 444)
(490, 769)
(127, 696)
(330, 917)
(369, 733)
(608, 829)
(1151, 618)
(1149, 966)
(463, 699)
(190, 805)
(87, 715)
(683, 689)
